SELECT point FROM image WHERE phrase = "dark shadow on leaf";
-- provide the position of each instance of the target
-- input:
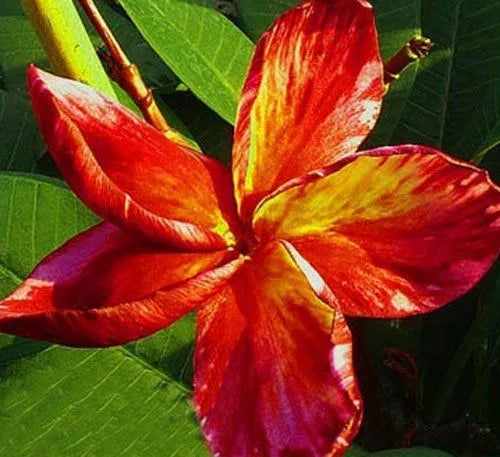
(20, 348)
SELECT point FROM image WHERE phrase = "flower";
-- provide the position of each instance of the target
(313, 230)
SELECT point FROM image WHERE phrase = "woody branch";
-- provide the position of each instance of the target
(124, 72)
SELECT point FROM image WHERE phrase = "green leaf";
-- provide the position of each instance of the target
(397, 22)
(13, 349)
(480, 344)
(171, 350)
(412, 452)
(206, 51)
(177, 123)
(20, 144)
(357, 451)
(36, 215)
(19, 45)
(154, 71)
(55, 401)
(213, 134)
(492, 164)
(66, 42)
(450, 99)
(106, 403)
(256, 17)
(454, 100)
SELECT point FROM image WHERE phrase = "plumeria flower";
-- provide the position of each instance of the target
(304, 231)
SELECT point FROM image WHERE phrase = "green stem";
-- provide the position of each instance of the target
(66, 43)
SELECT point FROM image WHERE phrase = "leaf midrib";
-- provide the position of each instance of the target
(453, 45)
(151, 368)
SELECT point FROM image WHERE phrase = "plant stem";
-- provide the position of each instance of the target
(417, 48)
(126, 73)
(66, 43)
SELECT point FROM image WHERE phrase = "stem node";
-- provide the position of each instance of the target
(417, 48)
(126, 73)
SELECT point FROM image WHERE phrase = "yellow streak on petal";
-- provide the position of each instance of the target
(364, 189)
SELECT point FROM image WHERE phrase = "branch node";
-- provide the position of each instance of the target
(417, 48)
(126, 73)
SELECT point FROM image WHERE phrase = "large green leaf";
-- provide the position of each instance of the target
(256, 17)
(154, 71)
(170, 351)
(20, 143)
(56, 401)
(451, 99)
(481, 345)
(109, 403)
(19, 46)
(397, 21)
(453, 102)
(36, 215)
(208, 53)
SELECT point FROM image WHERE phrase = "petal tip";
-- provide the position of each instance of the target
(365, 4)
(32, 74)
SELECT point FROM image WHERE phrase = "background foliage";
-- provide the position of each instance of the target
(429, 381)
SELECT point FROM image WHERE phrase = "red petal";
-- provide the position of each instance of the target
(270, 379)
(105, 287)
(128, 172)
(395, 231)
(312, 94)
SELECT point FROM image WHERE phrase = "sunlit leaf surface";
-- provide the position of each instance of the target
(206, 51)
(57, 401)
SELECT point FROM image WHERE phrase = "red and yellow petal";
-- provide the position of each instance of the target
(273, 365)
(312, 94)
(395, 231)
(128, 172)
(105, 287)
